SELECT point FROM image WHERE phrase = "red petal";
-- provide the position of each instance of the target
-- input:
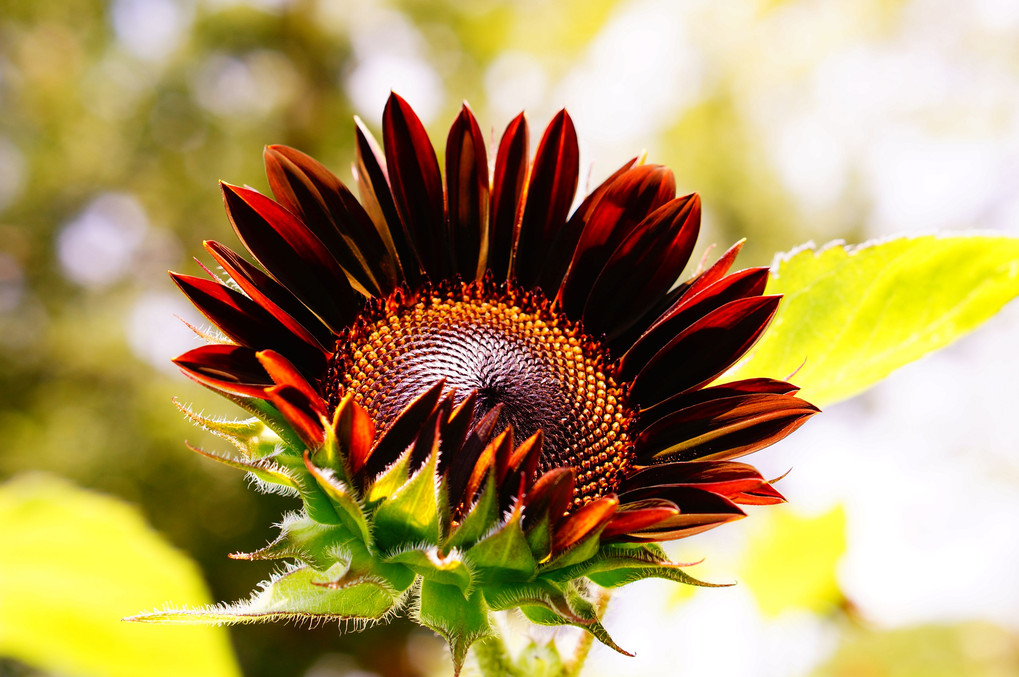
(293, 255)
(355, 432)
(550, 192)
(717, 270)
(231, 369)
(462, 463)
(283, 373)
(500, 446)
(467, 194)
(454, 432)
(630, 198)
(305, 187)
(377, 198)
(299, 412)
(552, 495)
(416, 184)
(558, 259)
(738, 482)
(507, 196)
(272, 296)
(246, 322)
(640, 515)
(585, 521)
(704, 350)
(699, 511)
(643, 268)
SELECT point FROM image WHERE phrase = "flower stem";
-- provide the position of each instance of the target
(576, 662)
(493, 658)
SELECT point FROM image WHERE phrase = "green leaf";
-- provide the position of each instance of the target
(394, 477)
(852, 315)
(302, 538)
(504, 555)
(72, 564)
(540, 593)
(272, 476)
(342, 498)
(461, 620)
(791, 561)
(299, 594)
(430, 564)
(411, 514)
(251, 436)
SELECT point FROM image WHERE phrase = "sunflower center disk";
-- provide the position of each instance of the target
(513, 350)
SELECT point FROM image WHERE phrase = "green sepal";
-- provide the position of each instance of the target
(318, 545)
(540, 660)
(504, 555)
(263, 469)
(431, 565)
(611, 556)
(389, 482)
(479, 519)
(461, 620)
(624, 575)
(329, 456)
(251, 436)
(541, 594)
(539, 537)
(583, 609)
(272, 418)
(342, 499)
(298, 594)
(411, 514)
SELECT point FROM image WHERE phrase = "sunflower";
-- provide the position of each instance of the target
(484, 400)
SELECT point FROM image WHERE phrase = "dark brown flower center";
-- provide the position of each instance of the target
(507, 345)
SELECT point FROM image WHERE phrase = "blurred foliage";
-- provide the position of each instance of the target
(971, 649)
(790, 563)
(83, 561)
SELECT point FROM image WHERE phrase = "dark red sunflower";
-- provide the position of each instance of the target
(553, 356)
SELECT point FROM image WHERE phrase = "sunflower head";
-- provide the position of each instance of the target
(483, 401)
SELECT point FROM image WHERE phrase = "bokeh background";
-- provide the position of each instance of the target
(794, 119)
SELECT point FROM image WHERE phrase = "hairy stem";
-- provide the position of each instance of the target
(493, 658)
(576, 662)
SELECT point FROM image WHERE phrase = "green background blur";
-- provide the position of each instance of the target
(794, 120)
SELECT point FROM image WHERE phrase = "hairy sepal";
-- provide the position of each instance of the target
(461, 620)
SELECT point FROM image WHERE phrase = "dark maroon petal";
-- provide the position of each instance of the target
(551, 495)
(550, 191)
(272, 296)
(704, 350)
(299, 412)
(309, 190)
(731, 389)
(454, 432)
(430, 434)
(416, 184)
(522, 463)
(231, 369)
(283, 373)
(377, 198)
(467, 194)
(565, 246)
(688, 309)
(585, 521)
(628, 200)
(507, 196)
(293, 255)
(723, 428)
(643, 267)
(459, 470)
(639, 515)
(402, 432)
(246, 322)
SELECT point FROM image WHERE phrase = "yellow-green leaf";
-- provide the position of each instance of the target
(73, 563)
(791, 561)
(852, 315)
